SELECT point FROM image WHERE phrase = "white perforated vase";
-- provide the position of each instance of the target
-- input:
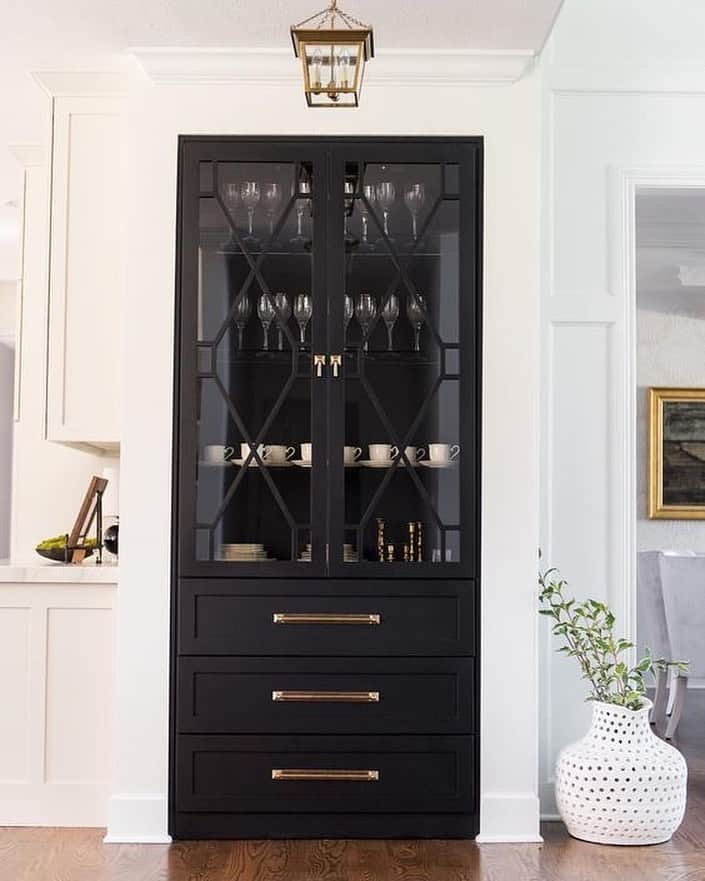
(621, 784)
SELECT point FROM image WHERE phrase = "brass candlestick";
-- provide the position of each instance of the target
(390, 553)
(380, 539)
(412, 542)
(406, 553)
(419, 542)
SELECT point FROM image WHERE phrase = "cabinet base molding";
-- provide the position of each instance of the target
(315, 826)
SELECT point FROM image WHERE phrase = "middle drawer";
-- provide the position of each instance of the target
(225, 695)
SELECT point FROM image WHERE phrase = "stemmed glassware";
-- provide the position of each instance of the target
(243, 311)
(414, 197)
(369, 194)
(266, 313)
(271, 199)
(250, 195)
(304, 188)
(281, 301)
(416, 313)
(349, 191)
(303, 310)
(365, 312)
(390, 313)
(386, 195)
(231, 197)
(348, 311)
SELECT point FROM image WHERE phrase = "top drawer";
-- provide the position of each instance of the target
(269, 617)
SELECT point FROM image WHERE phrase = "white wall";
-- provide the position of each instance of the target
(8, 295)
(508, 117)
(624, 99)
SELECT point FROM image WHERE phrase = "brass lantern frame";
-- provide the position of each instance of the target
(319, 32)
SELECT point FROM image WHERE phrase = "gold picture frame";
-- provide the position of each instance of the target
(676, 454)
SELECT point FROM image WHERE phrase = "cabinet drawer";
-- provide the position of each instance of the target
(370, 774)
(272, 617)
(293, 696)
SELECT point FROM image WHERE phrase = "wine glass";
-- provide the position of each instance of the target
(390, 313)
(250, 195)
(281, 301)
(303, 310)
(350, 239)
(386, 194)
(243, 310)
(416, 313)
(348, 310)
(304, 187)
(414, 197)
(365, 312)
(369, 194)
(231, 197)
(266, 313)
(271, 199)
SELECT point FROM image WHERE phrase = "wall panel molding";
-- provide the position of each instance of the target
(61, 673)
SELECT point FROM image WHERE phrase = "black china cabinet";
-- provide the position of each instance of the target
(325, 615)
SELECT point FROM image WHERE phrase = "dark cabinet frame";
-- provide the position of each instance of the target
(452, 638)
(328, 157)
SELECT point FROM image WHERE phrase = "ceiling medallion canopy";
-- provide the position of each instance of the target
(333, 47)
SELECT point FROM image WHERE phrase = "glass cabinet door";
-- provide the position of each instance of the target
(253, 320)
(403, 290)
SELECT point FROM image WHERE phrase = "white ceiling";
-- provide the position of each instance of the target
(40, 35)
(110, 26)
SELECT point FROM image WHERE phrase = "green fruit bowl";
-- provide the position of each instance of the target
(55, 548)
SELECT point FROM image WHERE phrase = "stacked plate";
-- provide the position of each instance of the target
(349, 554)
(242, 553)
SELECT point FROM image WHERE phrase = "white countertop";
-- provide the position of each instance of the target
(45, 572)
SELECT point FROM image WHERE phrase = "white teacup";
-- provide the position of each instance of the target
(351, 455)
(442, 453)
(383, 452)
(245, 452)
(414, 454)
(215, 453)
(278, 453)
(306, 452)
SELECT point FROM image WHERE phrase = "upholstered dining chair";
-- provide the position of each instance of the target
(683, 586)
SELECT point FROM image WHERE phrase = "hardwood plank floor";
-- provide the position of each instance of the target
(79, 855)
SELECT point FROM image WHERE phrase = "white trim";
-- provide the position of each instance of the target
(623, 183)
(81, 84)
(392, 67)
(29, 155)
(509, 817)
(627, 79)
(137, 819)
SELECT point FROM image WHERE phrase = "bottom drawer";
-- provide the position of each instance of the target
(370, 774)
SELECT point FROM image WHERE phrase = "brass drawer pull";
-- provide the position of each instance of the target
(324, 618)
(324, 774)
(344, 697)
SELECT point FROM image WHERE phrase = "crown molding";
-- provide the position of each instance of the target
(81, 84)
(28, 155)
(393, 67)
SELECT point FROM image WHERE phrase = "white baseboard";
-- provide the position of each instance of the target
(137, 819)
(509, 818)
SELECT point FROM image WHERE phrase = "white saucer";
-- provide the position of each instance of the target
(355, 464)
(429, 464)
(302, 463)
(375, 463)
(255, 464)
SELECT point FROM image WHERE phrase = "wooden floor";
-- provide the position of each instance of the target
(79, 855)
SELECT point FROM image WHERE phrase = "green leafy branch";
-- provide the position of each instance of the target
(587, 629)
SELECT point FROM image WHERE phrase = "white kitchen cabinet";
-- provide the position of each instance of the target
(87, 270)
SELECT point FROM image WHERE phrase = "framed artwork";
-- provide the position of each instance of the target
(89, 510)
(677, 454)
